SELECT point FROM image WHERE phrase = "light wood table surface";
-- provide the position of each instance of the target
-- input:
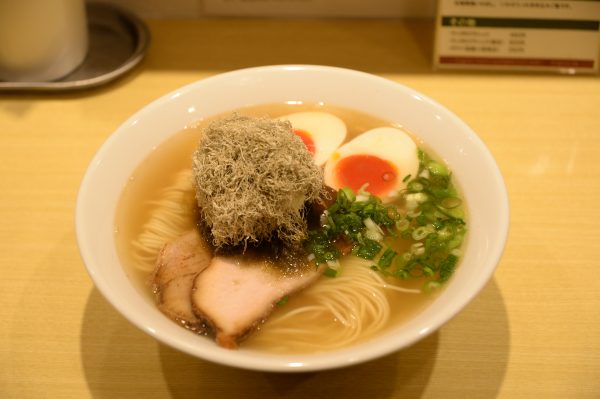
(533, 332)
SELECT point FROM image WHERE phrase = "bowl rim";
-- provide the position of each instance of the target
(282, 363)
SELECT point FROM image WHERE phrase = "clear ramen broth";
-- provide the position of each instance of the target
(172, 159)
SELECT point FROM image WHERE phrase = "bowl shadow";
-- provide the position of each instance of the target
(405, 372)
(469, 354)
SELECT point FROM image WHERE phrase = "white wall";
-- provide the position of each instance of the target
(306, 8)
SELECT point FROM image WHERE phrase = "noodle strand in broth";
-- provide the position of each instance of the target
(172, 214)
(351, 306)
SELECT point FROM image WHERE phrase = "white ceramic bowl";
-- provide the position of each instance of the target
(472, 164)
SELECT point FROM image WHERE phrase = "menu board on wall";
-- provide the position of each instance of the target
(536, 35)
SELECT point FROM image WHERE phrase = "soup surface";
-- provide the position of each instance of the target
(292, 327)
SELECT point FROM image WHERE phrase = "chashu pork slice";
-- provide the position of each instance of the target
(234, 295)
(177, 266)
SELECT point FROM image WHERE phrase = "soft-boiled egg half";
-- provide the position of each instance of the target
(381, 158)
(321, 132)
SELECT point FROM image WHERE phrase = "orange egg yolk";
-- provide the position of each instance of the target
(307, 140)
(356, 170)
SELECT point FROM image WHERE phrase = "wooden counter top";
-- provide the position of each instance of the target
(533, 332)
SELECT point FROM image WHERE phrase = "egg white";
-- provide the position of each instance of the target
(326, 130)
(387, 143)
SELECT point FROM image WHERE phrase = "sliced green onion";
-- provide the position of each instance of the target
(347, 191)
(330, 272)
(361, 198)
(363, 189)
(387, 258)
(413, 214)
(451, 202)
(415, 186)
(283, 301)
(333, 264)
(437, 169)
(421, 232)
(402, 224)
(368, 250)
(417, 249)
(431, 286)
(417, 198)
(447, 267)
(374, 232)
(456, 252)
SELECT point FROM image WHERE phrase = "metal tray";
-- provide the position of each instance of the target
(117, 42)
